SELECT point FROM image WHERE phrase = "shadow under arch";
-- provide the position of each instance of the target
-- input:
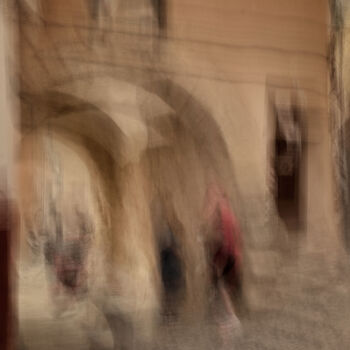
(76, 121)
(188, 111)
(203, 128)
(67, 112)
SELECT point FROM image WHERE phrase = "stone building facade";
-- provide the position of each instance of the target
(131, 100)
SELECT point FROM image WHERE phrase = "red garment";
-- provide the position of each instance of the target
(230, 247)
(231, 240)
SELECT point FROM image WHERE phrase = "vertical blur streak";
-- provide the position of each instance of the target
(7, 267)
(5, 292)
(160, 10)
(3, 232)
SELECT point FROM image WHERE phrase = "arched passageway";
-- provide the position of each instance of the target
(171, 153)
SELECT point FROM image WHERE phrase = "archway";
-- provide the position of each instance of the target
(187, 151)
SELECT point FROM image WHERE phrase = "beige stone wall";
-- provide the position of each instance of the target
(231, 53)
(8, 100)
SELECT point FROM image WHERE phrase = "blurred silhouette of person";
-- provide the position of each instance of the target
(167, 226)
(65, 255)
(171, 268)
(225, 256)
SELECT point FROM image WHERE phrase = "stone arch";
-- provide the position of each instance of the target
(74, 120)
(195, 155)
(202, 127)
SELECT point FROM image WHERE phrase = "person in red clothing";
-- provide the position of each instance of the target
(227, 246)
(225, 256)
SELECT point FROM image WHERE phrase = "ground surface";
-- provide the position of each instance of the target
(307, 307)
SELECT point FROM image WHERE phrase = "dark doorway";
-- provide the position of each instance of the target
(287, 166)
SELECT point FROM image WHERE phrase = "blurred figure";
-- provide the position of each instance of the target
(225, 257)
(171, 270)
(171, 265)
(66, 252)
